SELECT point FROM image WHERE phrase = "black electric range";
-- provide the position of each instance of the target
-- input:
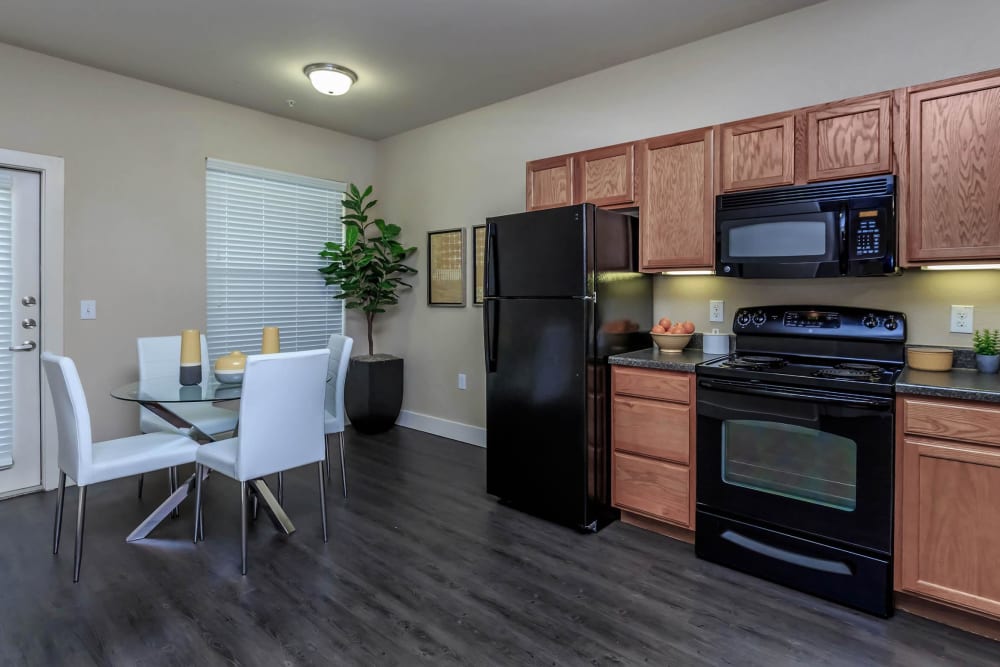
(795, 445)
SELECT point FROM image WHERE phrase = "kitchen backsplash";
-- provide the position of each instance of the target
(925, 297)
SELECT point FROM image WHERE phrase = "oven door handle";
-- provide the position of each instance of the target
(797, 394)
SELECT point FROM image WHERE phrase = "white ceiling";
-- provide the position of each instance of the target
(418, 61)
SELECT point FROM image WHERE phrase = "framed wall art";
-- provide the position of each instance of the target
(446, 268)
(478, 263)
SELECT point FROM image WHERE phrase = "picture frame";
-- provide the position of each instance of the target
(478, 264)
(446, 268)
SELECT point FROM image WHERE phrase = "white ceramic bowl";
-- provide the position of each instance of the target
(671, 342)
(229, 377)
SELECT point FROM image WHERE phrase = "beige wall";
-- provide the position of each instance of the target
(135, 192)
(458, 171)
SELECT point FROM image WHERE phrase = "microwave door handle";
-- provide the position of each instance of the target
(845, 248)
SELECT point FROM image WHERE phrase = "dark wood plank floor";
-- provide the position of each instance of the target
(421, 567)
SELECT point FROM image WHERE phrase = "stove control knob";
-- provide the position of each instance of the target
(759, 318)
(869, 321)
(891, 323)
(743, 318)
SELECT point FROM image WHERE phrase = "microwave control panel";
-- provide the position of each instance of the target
(866, 233)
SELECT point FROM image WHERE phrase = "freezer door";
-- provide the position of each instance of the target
(536, 407)
(538, 254)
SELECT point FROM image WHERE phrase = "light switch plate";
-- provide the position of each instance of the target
(88, 309)
(962, 319)
(461, 381)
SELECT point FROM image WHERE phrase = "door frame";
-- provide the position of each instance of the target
(52, 170)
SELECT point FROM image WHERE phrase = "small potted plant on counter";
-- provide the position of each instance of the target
(985, 343)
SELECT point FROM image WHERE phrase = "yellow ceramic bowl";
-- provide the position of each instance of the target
(671, 342)
(229, 368)
(929, 358)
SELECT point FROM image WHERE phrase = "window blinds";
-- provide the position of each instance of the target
(6, 318)
(264, 232)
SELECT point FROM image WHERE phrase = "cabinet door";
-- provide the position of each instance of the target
(677, 216)
(758, 153)
(607, 176)
(654, 488)
(950, 523)
(550, 183)
(954, 172)
(849, 139)
(651, 428)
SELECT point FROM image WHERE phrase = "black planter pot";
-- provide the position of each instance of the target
(373, 393)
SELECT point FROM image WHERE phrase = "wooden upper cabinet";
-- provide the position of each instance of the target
(953, 175)
(677, 215)
(849, 139)
(550, 183)
(606, 176)
(757, 153)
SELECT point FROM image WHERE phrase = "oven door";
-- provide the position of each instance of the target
(776, 243)
(814, 462)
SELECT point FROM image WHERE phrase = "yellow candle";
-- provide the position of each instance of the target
(269, 341)
(190, 347)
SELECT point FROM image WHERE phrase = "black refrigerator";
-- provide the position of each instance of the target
(562, 292)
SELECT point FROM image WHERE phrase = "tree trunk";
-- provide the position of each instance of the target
(371, 342)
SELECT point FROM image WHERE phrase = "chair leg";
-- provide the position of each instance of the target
(322, 500)
(281, 488)
(243, 527)
(61, 498)
(173, 478)
(142, 478)
(326, 443)
(343, 466)
(197, 501)
(81, 512)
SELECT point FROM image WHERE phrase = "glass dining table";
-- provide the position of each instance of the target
(159, 395)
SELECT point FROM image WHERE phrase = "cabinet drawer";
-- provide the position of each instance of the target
(651, 487)
(662, 385)
(954, 420)
(651, 428)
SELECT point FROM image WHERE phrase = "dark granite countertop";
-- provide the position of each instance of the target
(959, 383)
(651, 357)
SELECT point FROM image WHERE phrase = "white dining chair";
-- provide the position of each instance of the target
(159, 356)
(87, 462)
(340, 358)
(281, 427)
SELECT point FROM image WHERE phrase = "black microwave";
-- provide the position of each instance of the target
(837, 228)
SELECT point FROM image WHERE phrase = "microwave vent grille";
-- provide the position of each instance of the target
(866, 187)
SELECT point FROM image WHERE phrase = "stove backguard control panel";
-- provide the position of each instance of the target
(820, 321)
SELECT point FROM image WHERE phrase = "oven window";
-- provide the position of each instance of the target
(791, 238)
(791, 461)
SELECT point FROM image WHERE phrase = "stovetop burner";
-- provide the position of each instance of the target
(754, 362)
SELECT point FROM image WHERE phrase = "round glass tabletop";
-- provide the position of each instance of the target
(169, 390)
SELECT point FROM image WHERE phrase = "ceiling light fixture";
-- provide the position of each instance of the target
(330, 79)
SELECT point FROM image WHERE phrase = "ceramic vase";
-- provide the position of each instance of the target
(988, 363)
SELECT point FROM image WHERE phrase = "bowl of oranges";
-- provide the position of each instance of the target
(670, 336)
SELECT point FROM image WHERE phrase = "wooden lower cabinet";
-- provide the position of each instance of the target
(652, 427)
(948, 504)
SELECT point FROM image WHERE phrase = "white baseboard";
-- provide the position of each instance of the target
(473, 435)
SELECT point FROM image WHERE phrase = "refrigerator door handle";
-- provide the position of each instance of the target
(490, 322)
(490, 279)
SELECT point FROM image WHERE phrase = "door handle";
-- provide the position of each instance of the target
(490, 315)
(26, 346)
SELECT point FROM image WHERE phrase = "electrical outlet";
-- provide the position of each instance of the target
(961, 319)
(716, 310)
(461, 381)
(88, 310)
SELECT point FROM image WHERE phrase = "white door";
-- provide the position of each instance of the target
(20, 325)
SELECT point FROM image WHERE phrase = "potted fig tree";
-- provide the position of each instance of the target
(369, 269)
